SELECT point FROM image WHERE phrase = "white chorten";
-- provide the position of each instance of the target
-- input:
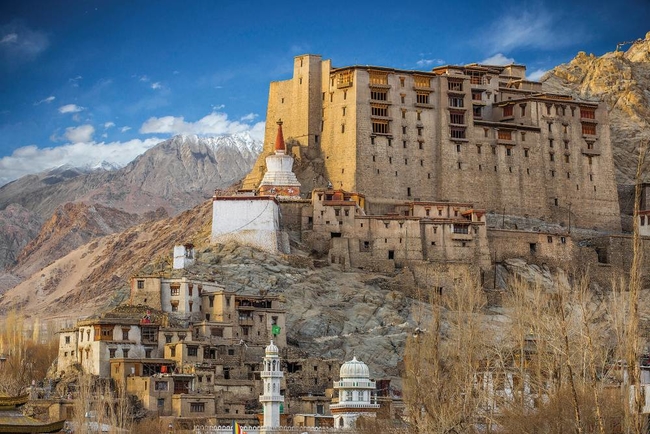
(271, 399)
(279, 179)
(355, 390)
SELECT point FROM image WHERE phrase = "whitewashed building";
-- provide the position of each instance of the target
(355, 394)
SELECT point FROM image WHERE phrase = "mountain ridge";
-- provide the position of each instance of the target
(176, 175)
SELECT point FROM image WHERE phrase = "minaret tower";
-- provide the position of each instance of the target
(279, 179)
(271, 399)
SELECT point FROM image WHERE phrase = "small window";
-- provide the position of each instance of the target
(140, 284)
(197, 407)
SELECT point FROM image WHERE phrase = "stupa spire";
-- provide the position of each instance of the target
(279, 139)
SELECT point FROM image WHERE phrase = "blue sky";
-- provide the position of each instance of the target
(86, 81)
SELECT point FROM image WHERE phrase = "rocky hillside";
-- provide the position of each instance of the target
(176, 174)
(73, 225)
(622, 80)
(17, 226)
(330, 312)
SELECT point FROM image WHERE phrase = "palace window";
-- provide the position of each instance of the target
(175, 290)
(379, 110)
(379, 94)
(192, 351)
(455, 85)
(380, 127)
(456, 101)
(589, 129)
(422, 81)
(140, 284)
(197, 407)
(150, 334)
(457, 118)
(422, 98)
(507, 111)
(461, 229)
(457, 133)
(504, 135)
(477, 111)
(587, 113)
(378, 77)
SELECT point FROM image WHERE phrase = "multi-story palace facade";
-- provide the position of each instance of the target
(482, 134)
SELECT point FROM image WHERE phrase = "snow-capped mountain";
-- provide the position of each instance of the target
(176, 174)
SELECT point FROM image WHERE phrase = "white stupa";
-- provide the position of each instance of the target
(271, 398)
(355, 390)
(279, 179)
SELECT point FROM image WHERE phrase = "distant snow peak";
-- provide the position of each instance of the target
(105, 165)
(243, 142)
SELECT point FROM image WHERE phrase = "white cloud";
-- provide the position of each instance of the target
(156, 85)
(125, 129)
(536, 74)
(70, 108)
(212, 124)
(32, 159)
(144, 79)
(11, 37)
(19, 43)
(498, 59)
(108, 125)
(532, 28)
(249, 117)
(422, 63)
(75, 81)
(47, 100)
(80, 134)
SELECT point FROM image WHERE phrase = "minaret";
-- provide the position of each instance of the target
(271, 399)
(279, 179)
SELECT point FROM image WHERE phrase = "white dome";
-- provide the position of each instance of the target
(272, 349)
(354, 369)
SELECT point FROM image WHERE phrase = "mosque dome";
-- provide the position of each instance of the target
(354, 369)
(272, 349)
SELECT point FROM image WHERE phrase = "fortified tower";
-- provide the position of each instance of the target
(271, 399)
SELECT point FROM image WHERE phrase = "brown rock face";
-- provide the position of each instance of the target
(94, 276)
(17, 226)
(71, 226)
(622, 80)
